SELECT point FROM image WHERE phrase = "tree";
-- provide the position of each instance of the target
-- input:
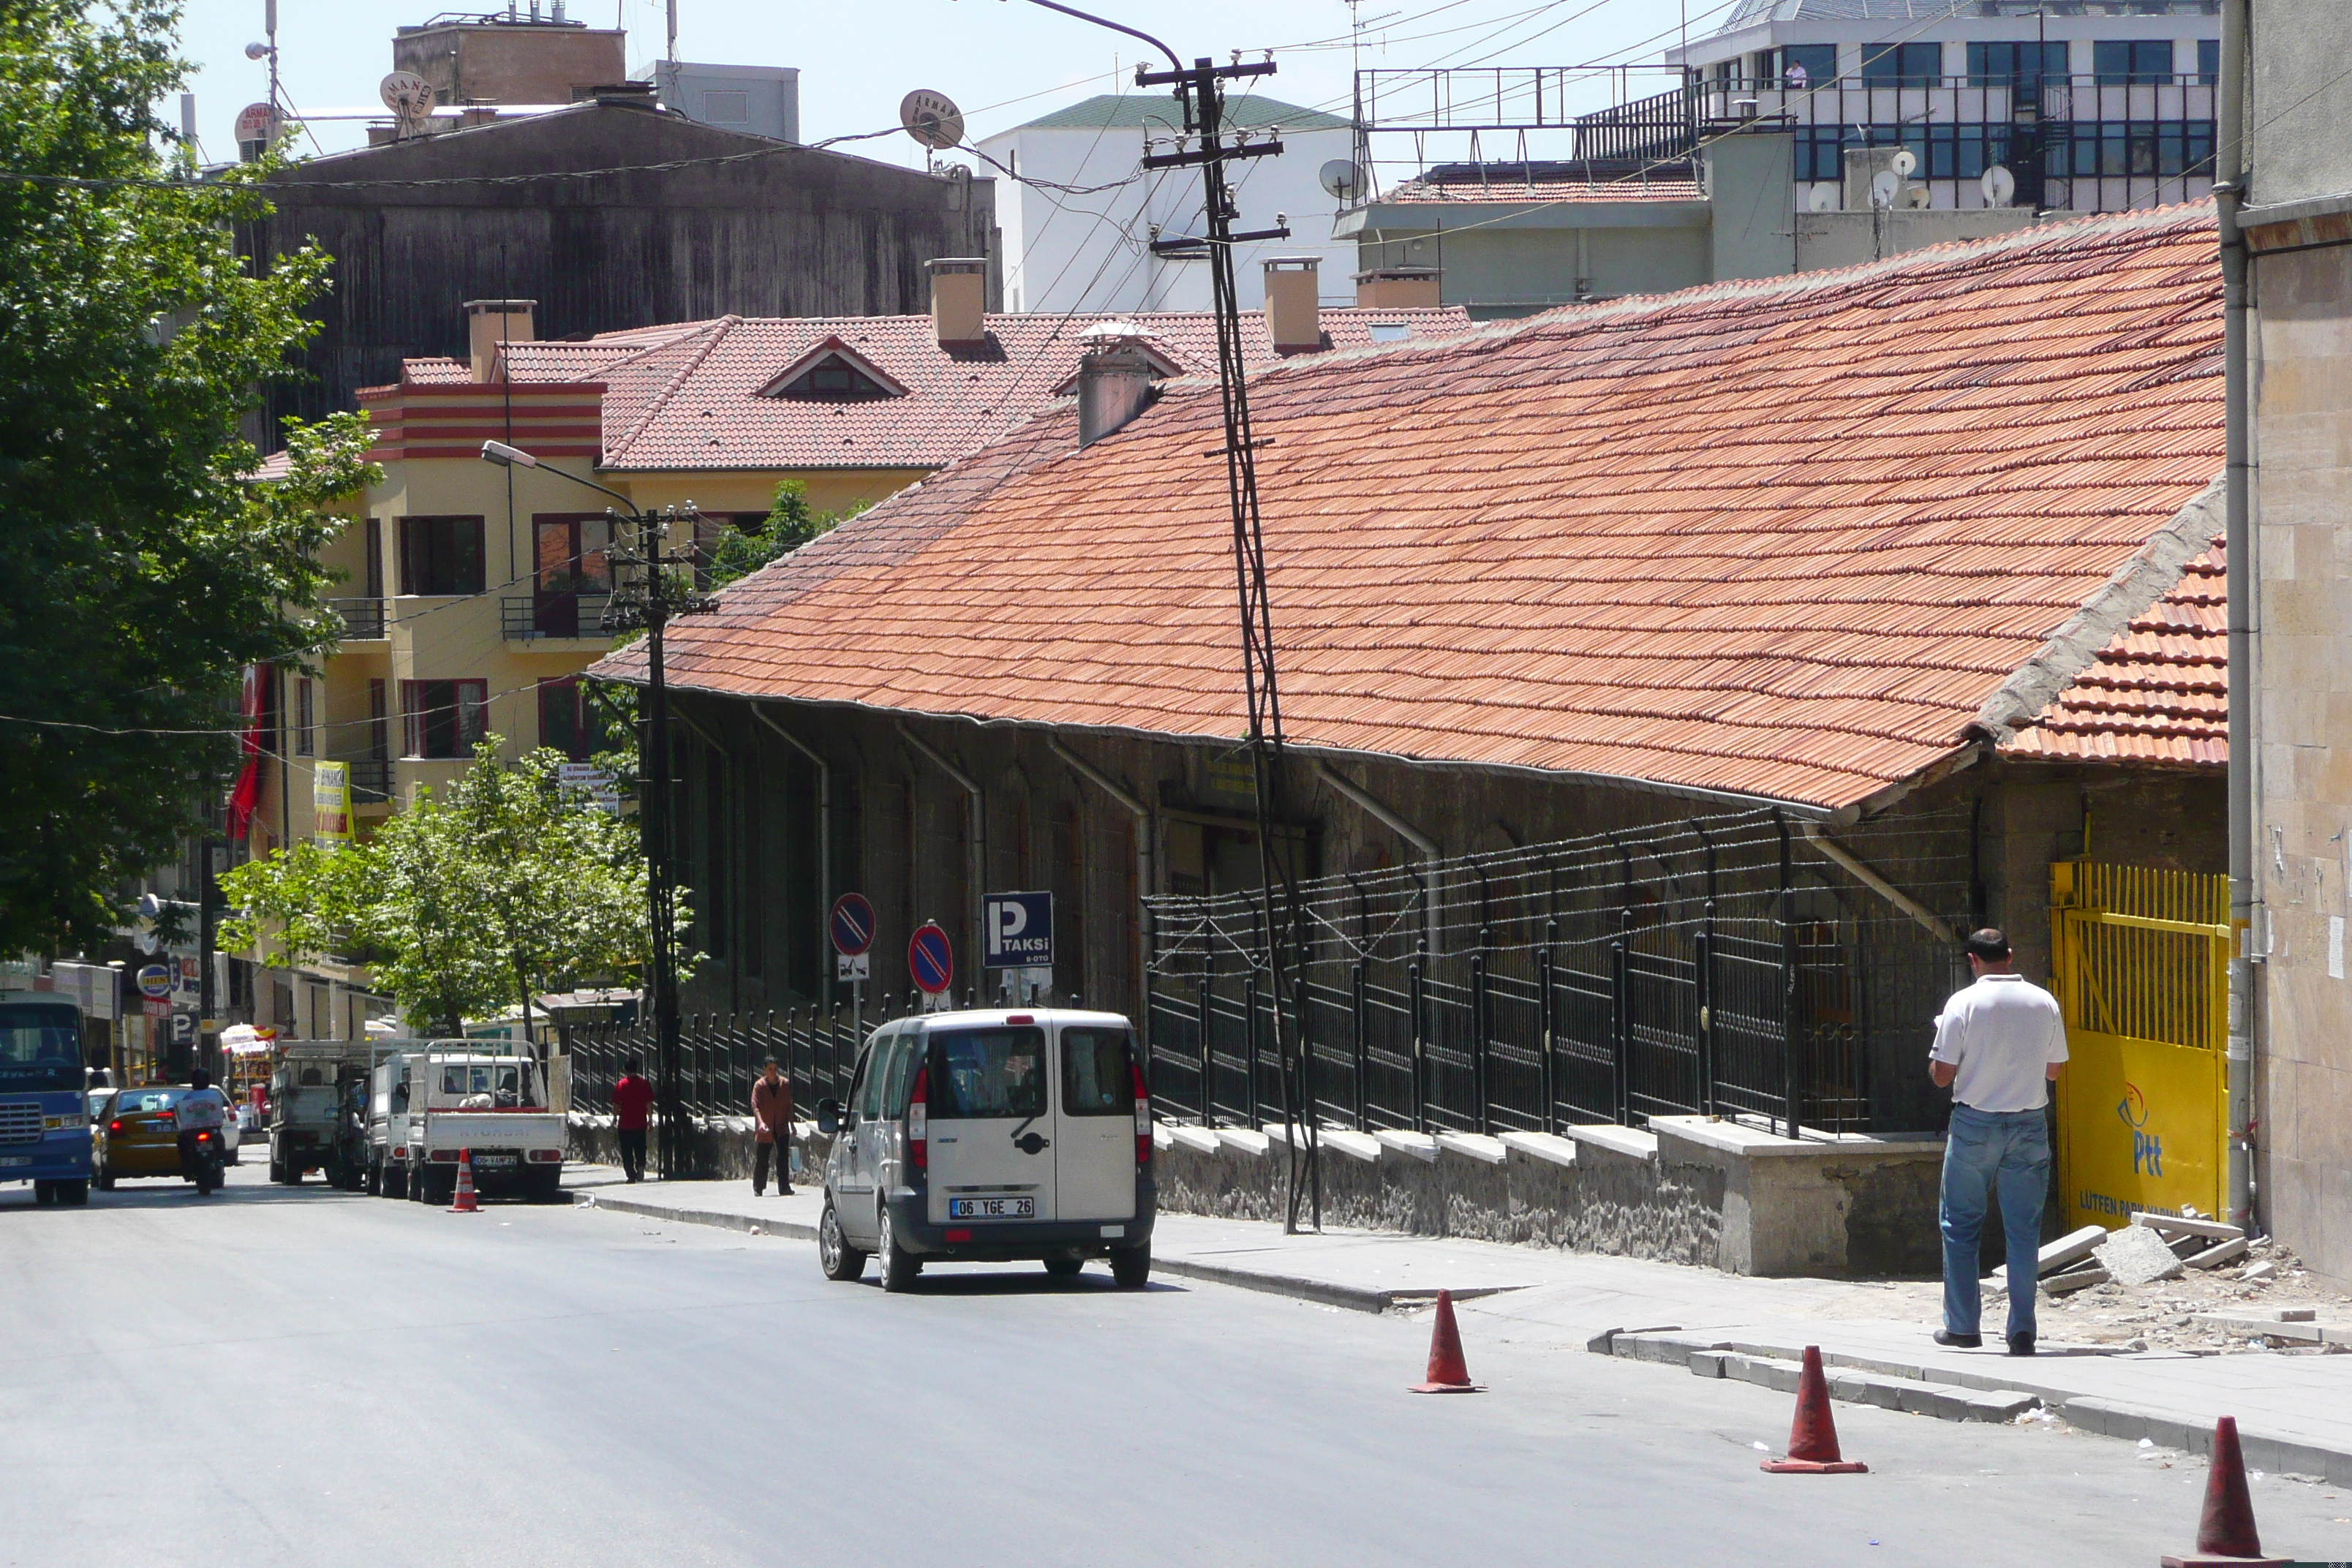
(791, 522)
(512, 886)
(140, 568)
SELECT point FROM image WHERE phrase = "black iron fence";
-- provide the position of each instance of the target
(720, 1054)
(1718, 967)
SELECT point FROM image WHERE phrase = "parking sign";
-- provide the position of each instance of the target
(1020, 930)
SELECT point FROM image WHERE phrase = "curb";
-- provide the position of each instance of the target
(1352, 1297)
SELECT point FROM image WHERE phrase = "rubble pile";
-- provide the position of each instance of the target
(2186, 1284)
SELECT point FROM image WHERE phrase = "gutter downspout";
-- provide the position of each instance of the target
(735, 842)
(1143, 859)
(1877, 884)
(823, 831)
(2245, 588)
(1405, 830)
(978, 870)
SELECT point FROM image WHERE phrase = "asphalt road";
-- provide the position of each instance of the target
(276, 1376)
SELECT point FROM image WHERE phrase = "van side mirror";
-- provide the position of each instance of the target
(828, 1117)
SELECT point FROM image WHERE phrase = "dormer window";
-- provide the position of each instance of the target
(834, 373)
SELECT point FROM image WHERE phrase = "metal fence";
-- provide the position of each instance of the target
(720, 1054)
(1711, 967)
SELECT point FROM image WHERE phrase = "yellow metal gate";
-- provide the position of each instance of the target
(2141, 961)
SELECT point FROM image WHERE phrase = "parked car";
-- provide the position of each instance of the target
(991, 1136)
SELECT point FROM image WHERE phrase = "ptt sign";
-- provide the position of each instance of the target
(2148, 1149)
(1019, 930)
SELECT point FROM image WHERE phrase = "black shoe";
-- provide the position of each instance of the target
(784, 1192)
(758, 1192)
(1960, 1342)
(2020, 1344)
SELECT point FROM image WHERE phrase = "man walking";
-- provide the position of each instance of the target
(1999, 1047)
(632, 1097)
(771, 1113)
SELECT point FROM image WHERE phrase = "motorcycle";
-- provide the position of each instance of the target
(203, 1159)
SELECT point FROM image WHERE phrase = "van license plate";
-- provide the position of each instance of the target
(15, 1159)
(494, 1162)
(992, 1208)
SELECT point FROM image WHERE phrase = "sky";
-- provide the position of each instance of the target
(1003, 61)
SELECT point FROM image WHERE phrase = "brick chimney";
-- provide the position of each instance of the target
(1398, 289)
(489, 323)
(1293, 314)
(959, 300)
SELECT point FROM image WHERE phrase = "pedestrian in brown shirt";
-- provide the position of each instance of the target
(771, 1112)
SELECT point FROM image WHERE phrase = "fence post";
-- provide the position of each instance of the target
(1412, 986)
(1789, 1023)
(1621, 1030)
(1249, 1040)
(1551, 1074)
(1363, 1039)
(1480, 1023)
(1310, 1106)
(1208, 1018)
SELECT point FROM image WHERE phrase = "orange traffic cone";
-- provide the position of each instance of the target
(1812, 1436)
(2225, 1534)
(465, 1202)
(1448, 1373)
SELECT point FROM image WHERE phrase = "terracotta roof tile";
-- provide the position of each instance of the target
(1748, 538)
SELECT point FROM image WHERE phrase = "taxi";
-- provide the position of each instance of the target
(137, 1133)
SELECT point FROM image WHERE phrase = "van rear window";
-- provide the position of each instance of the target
(1096, 1079)
(980, 1074)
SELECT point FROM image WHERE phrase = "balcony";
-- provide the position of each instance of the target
(537, 616)
(363, 619)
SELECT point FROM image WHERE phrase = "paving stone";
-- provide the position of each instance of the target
(2136, 1256)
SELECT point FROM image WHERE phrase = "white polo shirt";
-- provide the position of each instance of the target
(2002, 1033)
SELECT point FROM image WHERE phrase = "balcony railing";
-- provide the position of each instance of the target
(531, 617)
(362, 618)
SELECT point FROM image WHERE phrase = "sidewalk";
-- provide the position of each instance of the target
(2294, 1411)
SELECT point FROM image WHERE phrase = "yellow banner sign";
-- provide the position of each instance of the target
(2139, 1127)
(331, 802)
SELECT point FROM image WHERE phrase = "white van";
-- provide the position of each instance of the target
(988, 1137)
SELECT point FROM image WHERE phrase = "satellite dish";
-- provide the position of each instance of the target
(1998, 185)
(931, 119)
(1917, 198)
(1883, 187)
(256, 51)
(1342, 179)
(1822, 199)
(406, 94)
(257, 122)
(1904, 163)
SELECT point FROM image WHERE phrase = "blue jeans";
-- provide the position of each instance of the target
(1985, 1151)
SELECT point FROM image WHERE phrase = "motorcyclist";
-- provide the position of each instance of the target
(201, 1109)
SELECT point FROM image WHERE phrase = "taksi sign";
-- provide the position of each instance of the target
(1019, 929)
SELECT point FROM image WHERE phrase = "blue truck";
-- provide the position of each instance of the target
(44, 1109)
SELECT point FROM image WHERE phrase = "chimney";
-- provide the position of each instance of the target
(1398, 289)
(959, 300)
(1292, 312)
(489, 323)
(1114, 380)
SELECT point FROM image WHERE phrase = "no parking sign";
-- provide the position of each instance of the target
(930, 959)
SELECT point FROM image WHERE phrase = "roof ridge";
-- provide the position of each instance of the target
(712, 336)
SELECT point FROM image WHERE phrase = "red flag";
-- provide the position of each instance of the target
(247, 796)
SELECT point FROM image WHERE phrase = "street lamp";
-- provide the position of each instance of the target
(653, 763)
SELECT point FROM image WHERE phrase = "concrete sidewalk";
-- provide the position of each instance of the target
(2294, 1410)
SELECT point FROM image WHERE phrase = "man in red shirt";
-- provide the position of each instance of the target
(632, 1097)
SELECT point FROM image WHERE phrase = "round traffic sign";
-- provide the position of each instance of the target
(929, 959)
(155, 980)
(851, 925)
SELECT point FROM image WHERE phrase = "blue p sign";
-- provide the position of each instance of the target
(1019, 928)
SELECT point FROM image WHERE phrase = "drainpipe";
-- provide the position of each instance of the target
(978, 811)
(823, 830)
(1877, 884)
(2245, 586)
(1143, 886)
(1405, 830)
(734, 842)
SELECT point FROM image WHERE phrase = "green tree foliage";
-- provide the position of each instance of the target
(462, 907)
(791, 522)
(139, 570)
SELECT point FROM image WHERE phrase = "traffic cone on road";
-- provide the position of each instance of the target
(2225, 1534)
(1812, 1436)
(465, 1202)
(1448, 1373)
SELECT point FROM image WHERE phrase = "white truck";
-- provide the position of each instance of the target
(310, 1091)
(430, 1104)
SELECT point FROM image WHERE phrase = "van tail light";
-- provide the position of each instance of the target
(1142, 1116)
(918, 1120)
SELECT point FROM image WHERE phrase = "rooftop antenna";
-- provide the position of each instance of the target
(672, 46)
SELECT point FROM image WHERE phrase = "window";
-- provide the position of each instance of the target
(440, 555)
(1809, 65)
(2013, 65)
(1902, 65)
(1096, 1079)
(2209, 61)
(443, 718)
(571, 572)
(375, 569)
(569, 719)
(833, 380)
(379, 720)
(727, 106)
(306, 719)
(997, 1074)
(1390, 331)
(899, 1077)
(2132, 62)
(867, 1092)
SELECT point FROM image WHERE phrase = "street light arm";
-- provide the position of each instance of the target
(1114, 26)
(504, 456)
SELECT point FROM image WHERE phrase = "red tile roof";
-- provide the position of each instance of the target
(1788, 539)
(688, 397)
(1547, 191)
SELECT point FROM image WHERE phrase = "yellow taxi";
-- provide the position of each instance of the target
(137, 1133)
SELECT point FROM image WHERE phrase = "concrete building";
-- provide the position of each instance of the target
(489, 60)
(1078, 222)
(764, 100)
(2297, 227)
